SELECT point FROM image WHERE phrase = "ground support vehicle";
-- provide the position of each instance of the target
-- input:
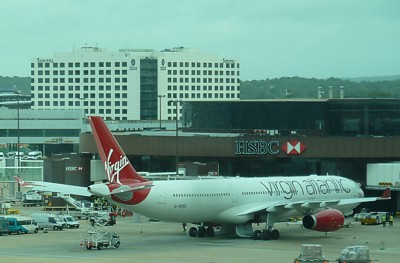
(48, 221)
(359, 216)
(32, 198)
(311, 253)
(373, 218)
(21, 225)
(354, 254)
(98, 236)
(4, 229)
(68, 221)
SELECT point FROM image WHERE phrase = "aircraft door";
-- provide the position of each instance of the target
(161, 195)
(233, 192)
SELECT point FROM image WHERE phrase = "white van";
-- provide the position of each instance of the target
(2, 156)
(15, 155)
(69, 221)
(50, 221)
(34, 155)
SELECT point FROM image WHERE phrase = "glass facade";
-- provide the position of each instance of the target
(363, 117)
(344, 117)
(148, 89)
(250, 115)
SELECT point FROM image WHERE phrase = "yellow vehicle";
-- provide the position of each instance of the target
(373, 218)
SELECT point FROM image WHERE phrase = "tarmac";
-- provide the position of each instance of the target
(155, 242)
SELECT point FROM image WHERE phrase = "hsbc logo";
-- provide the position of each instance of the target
(293, 147)
(73, 168)
(258, 147)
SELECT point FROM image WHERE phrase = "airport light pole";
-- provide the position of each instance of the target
(160, 98)
(176, 102)
(18, 141)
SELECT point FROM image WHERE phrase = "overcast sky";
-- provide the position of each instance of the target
(270, 38)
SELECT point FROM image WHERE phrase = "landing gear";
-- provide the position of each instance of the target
(269, 232)
(201, 231)
(257, 235)
(192, 232)
(266, 234)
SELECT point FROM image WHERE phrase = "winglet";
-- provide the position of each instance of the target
(386, 194)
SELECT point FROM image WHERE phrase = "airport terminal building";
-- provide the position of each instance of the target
(273, 138)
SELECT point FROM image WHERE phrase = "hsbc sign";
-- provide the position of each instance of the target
(256, 147)
(293, 147)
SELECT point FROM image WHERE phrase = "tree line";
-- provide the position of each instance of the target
(22, 84)
(297, 87)
(280, 88)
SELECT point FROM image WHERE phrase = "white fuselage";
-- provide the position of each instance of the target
(237, 200)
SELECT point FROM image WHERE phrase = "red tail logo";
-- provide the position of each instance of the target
(116, 164)
(113, 169)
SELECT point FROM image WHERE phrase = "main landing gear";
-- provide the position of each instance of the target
(266, 234)
(269, 233)
(201, 231)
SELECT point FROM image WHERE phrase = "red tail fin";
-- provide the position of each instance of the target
(116, 164)
(386, 194)
(19, 180)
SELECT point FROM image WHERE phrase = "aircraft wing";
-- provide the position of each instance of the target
(63, 189)
(304, 205)
(54, 187)
(385, 196)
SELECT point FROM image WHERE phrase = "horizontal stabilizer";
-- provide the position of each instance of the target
(127, 188)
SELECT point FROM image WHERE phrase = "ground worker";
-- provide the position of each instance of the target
(391, 220)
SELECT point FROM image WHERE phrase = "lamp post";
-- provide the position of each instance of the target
(160, 97)
(18, 141)
(176, 102)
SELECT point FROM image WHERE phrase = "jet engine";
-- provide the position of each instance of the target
(325, 221)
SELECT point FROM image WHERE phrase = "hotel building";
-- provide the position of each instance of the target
(132, 84)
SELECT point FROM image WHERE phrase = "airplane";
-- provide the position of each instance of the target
(233, 204)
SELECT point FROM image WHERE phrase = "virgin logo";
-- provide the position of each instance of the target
(113, 169)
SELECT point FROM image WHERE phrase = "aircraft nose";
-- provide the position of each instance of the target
(99, 189)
